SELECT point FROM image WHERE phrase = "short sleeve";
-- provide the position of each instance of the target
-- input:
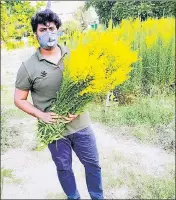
(23, 81)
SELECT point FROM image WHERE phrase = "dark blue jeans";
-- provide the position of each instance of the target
(83, 143)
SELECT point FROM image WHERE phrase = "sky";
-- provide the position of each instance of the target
(63, 8)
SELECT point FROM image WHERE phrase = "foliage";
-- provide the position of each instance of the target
(118, 10)
(83, 16)
(15, 21)
(145, 111)
(14, 45)
(154, 39)
(32, 42)
(69, 27)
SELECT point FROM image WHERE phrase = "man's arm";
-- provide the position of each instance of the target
(20, 100)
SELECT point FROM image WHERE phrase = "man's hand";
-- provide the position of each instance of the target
(51, 117)
(70, 117)
(20, 100)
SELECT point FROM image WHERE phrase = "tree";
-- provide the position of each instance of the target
(83, 16)
(144, 10)
(15, 19)
(161, 9)
(118, 10)
(102, 8)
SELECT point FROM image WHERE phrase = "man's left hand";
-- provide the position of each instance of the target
(70, 117)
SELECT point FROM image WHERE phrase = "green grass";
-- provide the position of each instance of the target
(113, 182)
(148, 187)
(8, 177)
(142, 132)
(139, 184)
(155, 188)
(145, 111)
(148, 118)
(162, 136)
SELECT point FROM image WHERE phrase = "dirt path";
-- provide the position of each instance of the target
(36, 172)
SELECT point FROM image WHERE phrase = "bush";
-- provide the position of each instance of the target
(14, 45)
(33, 42)
(145, 111)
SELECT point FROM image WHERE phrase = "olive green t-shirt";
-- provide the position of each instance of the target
(43, 78)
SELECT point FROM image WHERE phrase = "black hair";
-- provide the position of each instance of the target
(43, 17)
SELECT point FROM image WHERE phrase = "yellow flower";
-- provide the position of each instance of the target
(103, 58)
(150, 40)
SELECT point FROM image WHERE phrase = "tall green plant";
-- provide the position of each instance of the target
(154, 40)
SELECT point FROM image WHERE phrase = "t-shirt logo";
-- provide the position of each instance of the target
(43, 74)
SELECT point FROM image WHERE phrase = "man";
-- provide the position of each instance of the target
(42, 74)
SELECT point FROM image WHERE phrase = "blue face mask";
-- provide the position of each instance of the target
(48, 40)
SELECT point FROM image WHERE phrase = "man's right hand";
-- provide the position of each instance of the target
(51, 117)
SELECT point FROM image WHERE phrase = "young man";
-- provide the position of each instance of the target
(42, 74)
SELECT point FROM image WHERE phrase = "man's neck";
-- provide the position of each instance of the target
(47, 53)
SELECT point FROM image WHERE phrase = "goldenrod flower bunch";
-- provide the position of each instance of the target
(147, 32)
(155, 41)
(162, 29)
(97, 64)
